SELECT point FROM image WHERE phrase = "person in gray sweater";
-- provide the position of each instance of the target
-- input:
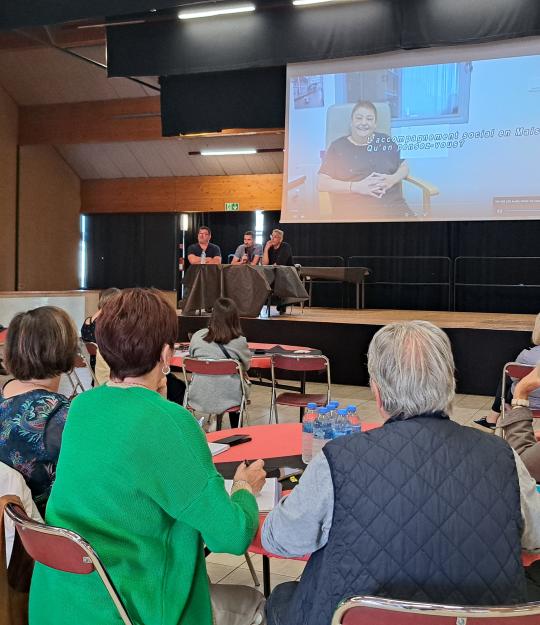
(222, 339)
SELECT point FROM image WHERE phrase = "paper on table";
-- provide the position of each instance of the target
(217, 448)
(269, 495)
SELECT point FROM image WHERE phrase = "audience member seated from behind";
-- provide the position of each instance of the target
(175, 387)
(530, 356)
(400, 511)
(203, 252)
(136, 479)
(88, 328)
(517, 425)
(222, 339)
(41, 345)
(249, 253)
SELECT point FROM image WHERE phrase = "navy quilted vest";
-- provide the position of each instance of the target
(425, 510)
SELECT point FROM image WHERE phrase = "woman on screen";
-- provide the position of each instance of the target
(363, 171)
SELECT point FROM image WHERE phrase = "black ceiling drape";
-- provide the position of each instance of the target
(280, 35)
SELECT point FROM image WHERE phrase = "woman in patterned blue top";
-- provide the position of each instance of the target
(41, 345)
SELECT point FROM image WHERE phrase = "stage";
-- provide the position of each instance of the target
(482, 342)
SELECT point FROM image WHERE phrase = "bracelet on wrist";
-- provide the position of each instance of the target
(241, 485)
(520, 402)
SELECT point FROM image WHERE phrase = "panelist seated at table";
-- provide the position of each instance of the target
(249, 253)
(421, 509)
(277, 251)
(203, 252)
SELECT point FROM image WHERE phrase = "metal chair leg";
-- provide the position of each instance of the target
(252, 570)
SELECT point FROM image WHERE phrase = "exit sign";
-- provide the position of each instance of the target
(232, 206)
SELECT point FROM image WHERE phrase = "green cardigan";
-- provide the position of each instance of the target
(136, 479)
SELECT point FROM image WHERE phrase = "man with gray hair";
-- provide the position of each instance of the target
(421, 509)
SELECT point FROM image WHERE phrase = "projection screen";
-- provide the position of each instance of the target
(442, 134)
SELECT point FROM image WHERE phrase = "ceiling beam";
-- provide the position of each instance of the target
(181, 194)
(105, 121)
(64, 36)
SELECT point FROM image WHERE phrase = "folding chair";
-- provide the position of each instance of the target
(516, 371)
(300, 399)
(63, 550)
(380, 611)
(223, 366)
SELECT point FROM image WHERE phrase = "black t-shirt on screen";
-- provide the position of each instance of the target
(281, 256)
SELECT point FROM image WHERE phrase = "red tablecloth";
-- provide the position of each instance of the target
(257, 362)
(268, 441)
(274, 441)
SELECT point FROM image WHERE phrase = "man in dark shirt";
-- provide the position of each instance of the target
(204, 252)
(276, 251)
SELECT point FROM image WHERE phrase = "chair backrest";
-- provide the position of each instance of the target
(91, 348)
(381, 611)
(338, 120)
(516, 370)
(63, 550)
(299, 362)
(208, 366)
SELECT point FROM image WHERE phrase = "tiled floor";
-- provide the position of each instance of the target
(228, 569)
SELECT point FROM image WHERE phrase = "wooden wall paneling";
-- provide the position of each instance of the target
(49, 214)
(8, 189)
(128, 119)
(181, 194)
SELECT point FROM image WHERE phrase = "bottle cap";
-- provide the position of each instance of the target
(312, 406)
(342, 411)
(333, 404)
(323, 410)
(351, 407)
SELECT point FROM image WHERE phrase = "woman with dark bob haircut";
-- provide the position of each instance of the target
(136, 478)
(41, 345)
(222, 339)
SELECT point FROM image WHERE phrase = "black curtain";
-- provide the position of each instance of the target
(284, 34)
(132, 250)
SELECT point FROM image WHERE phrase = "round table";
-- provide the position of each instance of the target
(258, 361)
(282, 440)
(279, 441)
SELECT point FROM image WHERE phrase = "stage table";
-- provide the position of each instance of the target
(353, 275)
(249, 286)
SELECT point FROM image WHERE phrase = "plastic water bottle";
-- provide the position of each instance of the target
(319, 427)
(307, 432)
(332, 413)
(341, 424)
(354, 421)
(203, 258)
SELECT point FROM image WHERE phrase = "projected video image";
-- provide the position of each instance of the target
(451, 141)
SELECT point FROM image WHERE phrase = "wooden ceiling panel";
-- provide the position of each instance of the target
(174, 153)
(49, 76)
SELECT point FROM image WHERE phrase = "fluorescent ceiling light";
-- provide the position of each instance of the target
(212, 10)
(232, 152)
